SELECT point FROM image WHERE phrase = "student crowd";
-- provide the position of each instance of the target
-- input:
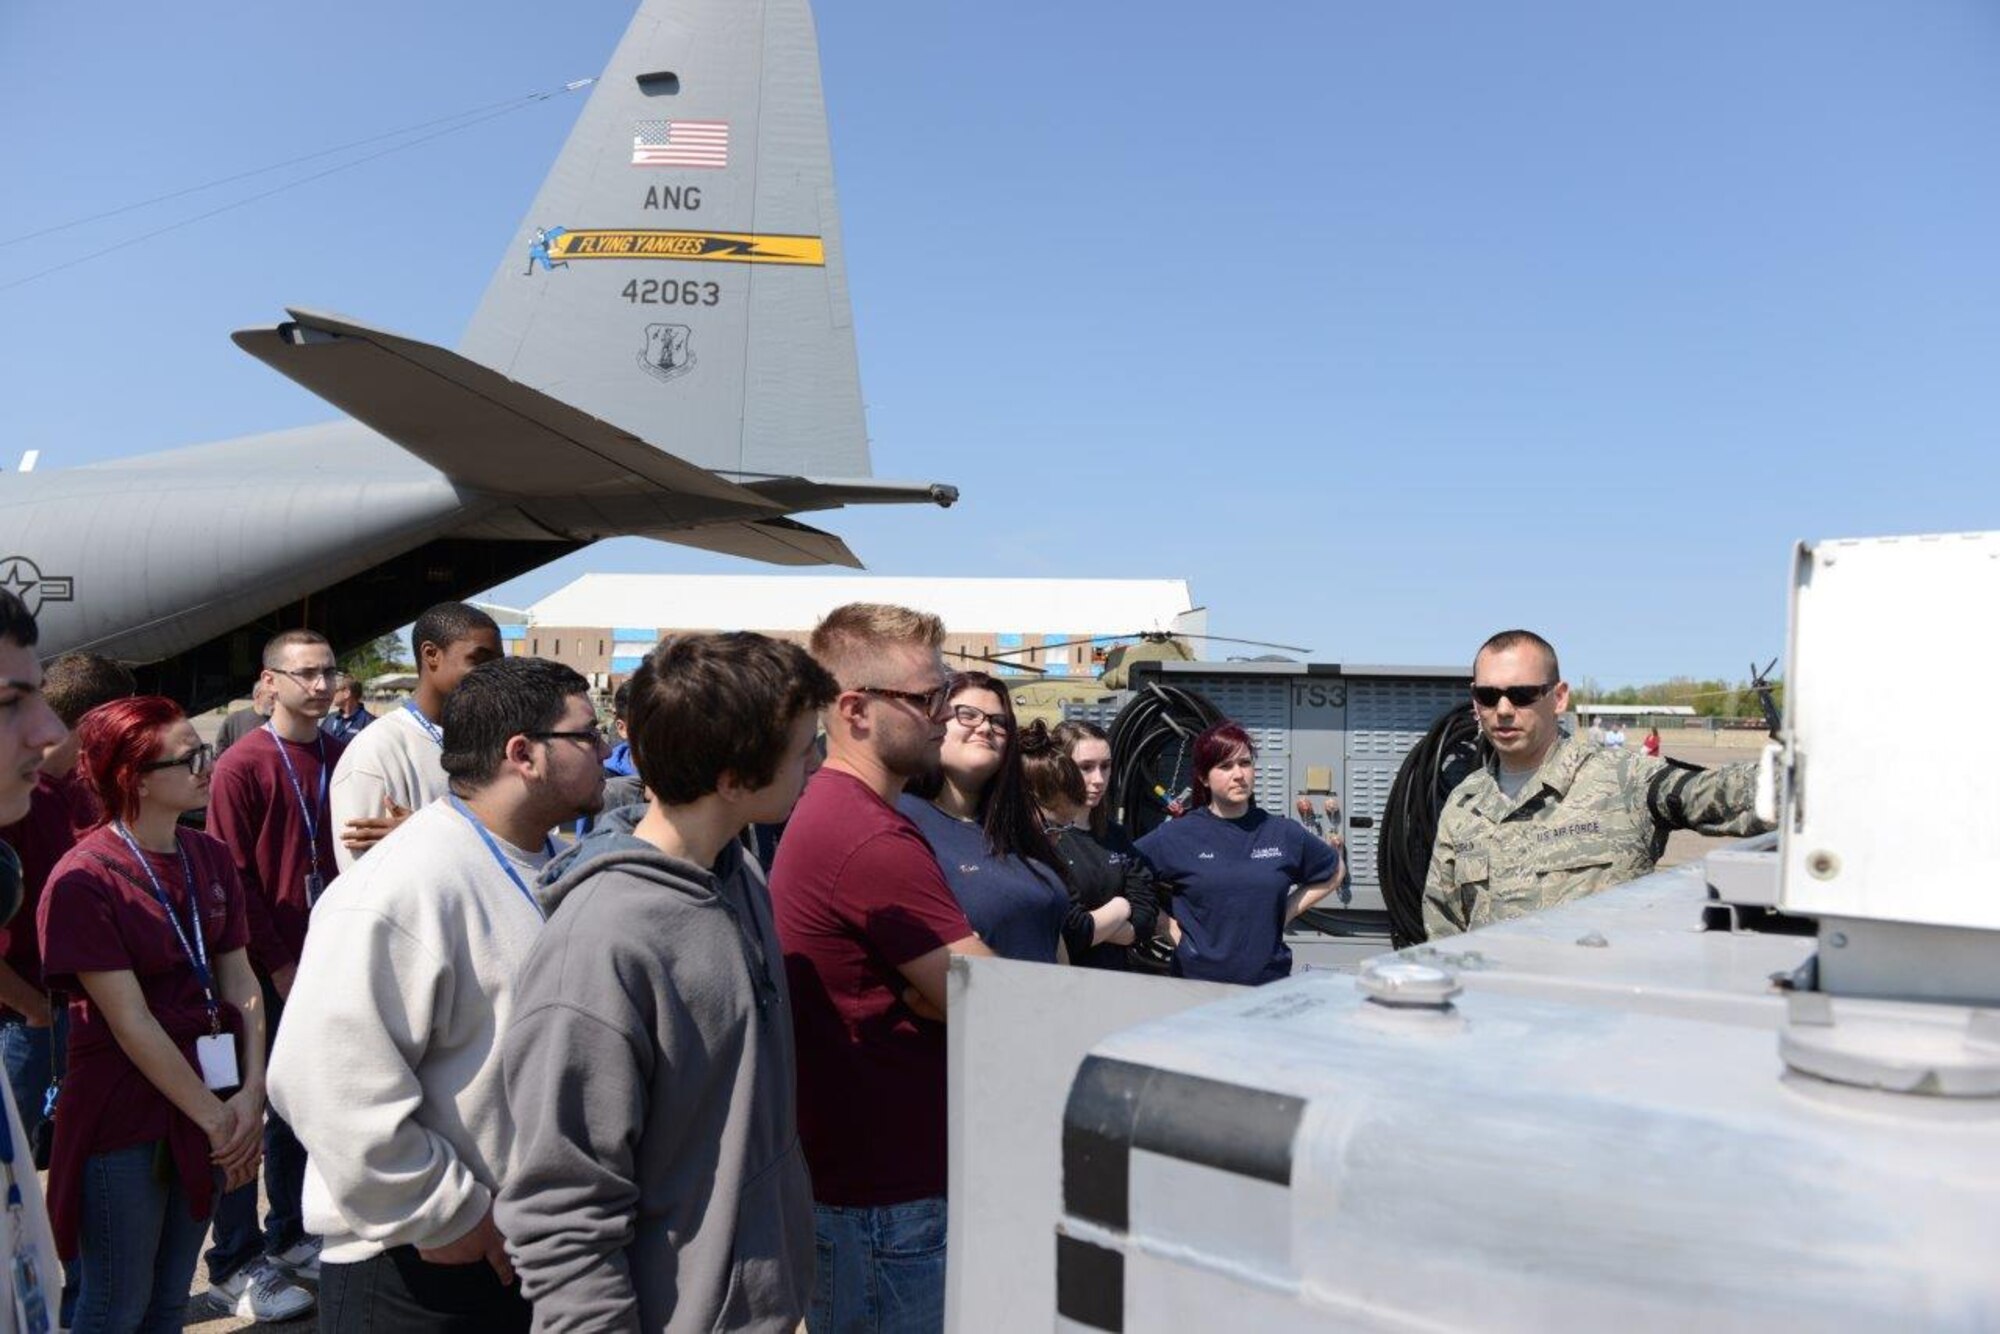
(685, 1070)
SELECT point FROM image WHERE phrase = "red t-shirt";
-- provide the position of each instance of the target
(253, 810)
(40, 838)
(100, 915)
(857, 893)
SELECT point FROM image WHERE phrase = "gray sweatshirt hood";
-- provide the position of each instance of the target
(612, 848)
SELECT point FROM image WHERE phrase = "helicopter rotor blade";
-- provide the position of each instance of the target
(998, 661)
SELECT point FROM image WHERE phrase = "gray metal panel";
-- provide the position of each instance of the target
(1388, 715)
(1263, 705)
(1367, 795)
(1018, 1032)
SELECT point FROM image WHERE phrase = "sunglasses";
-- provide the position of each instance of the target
(930, 701)
(198, 761)
(1489, 697)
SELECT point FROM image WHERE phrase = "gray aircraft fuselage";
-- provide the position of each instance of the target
(584, 404)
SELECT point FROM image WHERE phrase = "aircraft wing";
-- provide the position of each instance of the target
(773, 541)
(478, 427)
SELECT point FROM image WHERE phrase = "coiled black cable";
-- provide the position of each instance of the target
(1450, 752)
(1152, 762)
(1152, 752)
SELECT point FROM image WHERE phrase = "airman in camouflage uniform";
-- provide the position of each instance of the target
(1579, 819)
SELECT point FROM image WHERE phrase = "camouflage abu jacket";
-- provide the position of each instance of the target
(1589, 819)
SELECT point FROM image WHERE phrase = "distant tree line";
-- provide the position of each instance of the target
(376, 658)
(1709, 698)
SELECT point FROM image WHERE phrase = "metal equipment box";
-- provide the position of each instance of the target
(1324, 727)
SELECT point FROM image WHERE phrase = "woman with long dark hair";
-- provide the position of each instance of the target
(1238, 873)
(1111, 900)
(977, 815)
(162, 1105)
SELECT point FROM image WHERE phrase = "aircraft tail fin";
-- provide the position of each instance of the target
(680, 272)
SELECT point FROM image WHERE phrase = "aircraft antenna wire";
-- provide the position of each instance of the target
(477, 117)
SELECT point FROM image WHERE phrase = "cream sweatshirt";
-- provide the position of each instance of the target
(387, 1064)
(393, 759)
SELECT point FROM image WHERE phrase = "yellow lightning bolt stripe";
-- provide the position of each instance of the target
(725, 247)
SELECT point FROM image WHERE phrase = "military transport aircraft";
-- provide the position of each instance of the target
(666, 350)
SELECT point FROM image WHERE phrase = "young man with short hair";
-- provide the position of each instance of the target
(268, 804)
(74, 684)
(676, 1197)
(868, 925)
(395, 769)
(29, 729)
(389, 1063)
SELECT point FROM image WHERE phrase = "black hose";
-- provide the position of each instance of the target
(1450, 752)
(1152, 762)
(1152, 753)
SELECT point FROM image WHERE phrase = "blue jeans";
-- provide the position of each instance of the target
(26, 1053)
(879, 1270)
(139, 1245)
(237, 1240)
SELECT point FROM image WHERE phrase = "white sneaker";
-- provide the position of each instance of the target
(259, 1291)
(301, 1260)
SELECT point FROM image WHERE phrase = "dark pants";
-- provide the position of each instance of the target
(138, 1244)
(398, 1292)
(236, 1241)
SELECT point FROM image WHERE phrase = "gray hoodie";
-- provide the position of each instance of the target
(656, 1180)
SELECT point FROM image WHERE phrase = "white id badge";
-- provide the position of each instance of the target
(216, 1055)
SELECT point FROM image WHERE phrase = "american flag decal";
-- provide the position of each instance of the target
(680, 143)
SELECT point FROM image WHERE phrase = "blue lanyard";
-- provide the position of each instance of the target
(197, 953)
(501, 857)
(311, 819)
(425, 723)
(7, 1160)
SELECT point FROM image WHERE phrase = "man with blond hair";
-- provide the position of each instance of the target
(868, 925)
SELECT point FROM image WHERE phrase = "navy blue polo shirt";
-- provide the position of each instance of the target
(1017, 906)
(1231, 879)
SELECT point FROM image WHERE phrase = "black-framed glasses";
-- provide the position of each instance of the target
(310, 676)
(970, 717)
(1489, 697)
(593, 735)
(198, 761)
(931, 701)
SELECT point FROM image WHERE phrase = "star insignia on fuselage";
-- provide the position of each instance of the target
(25, 580)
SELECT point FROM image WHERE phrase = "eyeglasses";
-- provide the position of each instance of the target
(593, 735)
(931, 701)
(198, 761)
(1489, 697)
(310, 676)
(969, 718)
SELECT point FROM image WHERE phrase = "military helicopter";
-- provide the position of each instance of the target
(1045, 693)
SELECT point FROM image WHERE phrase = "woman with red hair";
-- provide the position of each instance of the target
(142, 928)
(1238, 873)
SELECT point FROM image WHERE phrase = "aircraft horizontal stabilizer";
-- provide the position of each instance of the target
(475, 425)
(774, 541)
(816, 493)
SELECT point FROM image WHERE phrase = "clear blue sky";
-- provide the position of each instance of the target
(1388, 325)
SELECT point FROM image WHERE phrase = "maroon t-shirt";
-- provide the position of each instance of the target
(253, 810)
(100, 915)
(858, 893)
(41, 838)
